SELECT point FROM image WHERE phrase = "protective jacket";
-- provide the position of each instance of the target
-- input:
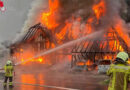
(8, 70)
(119, 76)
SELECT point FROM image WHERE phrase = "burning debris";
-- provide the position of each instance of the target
(105, 47)
(37, 39)
(64, 22)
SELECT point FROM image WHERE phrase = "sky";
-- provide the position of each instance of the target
(12, 20)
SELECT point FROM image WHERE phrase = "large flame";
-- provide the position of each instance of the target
(49, 18)
(121, 32)
(24, 55)
(99, 9)
(74, 29)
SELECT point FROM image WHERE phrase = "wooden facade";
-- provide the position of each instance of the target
(99, 49)
(36, 38)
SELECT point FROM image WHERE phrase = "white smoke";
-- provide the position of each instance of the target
(33, 17)
(38, 6)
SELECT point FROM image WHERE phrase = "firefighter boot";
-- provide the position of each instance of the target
(5, 85)
(11, 85)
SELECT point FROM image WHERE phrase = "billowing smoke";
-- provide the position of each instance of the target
(76, 8)
(38, 6)
(66, 10)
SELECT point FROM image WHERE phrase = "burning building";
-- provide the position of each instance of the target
(37, 39)
(105, 48)
(65, 23)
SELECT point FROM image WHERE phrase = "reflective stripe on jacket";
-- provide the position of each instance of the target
(8, 70)
(119, 76)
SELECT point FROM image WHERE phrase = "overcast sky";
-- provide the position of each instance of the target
(12, 20)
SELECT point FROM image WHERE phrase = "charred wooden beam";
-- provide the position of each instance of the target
(90, 50)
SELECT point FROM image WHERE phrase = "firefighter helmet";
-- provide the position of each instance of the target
(123, 55)
(9, 62)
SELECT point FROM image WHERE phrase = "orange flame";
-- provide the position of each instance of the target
(89, 25)
(48, 18)
(40, 60)
(25, 56)
(121, 32)
(89, 62)
(99, 9)
(116, 43)
(80, 63)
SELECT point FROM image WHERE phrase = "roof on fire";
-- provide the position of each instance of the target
(23, 37)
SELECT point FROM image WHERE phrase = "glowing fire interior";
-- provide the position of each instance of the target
(48, 18)
(71, 29)
(99, 9)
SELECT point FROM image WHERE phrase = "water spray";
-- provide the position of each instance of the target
(63, 46)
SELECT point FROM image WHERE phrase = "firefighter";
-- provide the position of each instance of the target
(8, 73)
(119, 72)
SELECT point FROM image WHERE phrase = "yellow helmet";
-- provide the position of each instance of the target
(9, 62)
(123, 55)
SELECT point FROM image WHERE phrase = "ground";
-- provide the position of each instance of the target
(40, 77)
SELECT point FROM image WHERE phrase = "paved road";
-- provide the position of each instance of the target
(47, 78)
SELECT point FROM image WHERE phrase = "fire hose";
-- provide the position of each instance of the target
(46, 86)
(53, 50)
(63, 88)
